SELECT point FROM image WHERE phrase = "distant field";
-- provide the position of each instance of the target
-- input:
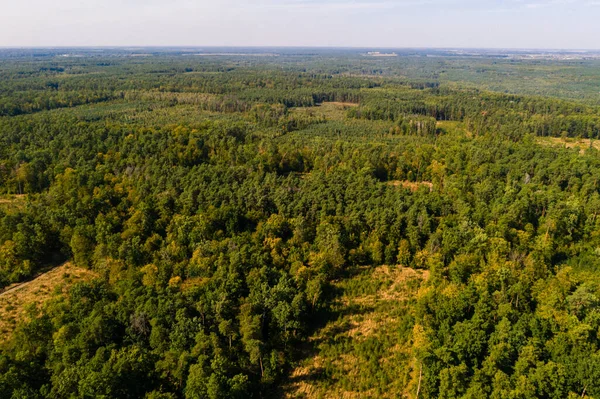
(571, 143)
(341, 104)
(453, 127)
(330, 110)
(16, 299)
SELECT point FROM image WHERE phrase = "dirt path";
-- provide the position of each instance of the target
(18, 286)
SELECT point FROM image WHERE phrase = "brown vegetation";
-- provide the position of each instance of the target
(330, 110)
(18, 298)
(581, 144)
(364, 316)
(411, 185)
(12, 203)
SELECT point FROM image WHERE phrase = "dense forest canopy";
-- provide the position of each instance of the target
(221, 199)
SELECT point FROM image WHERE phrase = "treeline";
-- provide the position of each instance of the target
(485, 112)
(33, 101)
(237, 89)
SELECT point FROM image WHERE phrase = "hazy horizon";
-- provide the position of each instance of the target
(316, 47)
(441, 24)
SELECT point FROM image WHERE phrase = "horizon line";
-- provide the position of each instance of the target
(177, 46)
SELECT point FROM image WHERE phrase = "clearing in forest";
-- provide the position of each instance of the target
(411, 185)
(363, 350)
(335, 111)
(11, 203)
(567, 142)
(454, 127)
(18, 298)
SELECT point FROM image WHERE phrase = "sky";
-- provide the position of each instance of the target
(549, 24)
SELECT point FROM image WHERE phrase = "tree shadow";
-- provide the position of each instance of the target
(326, 326)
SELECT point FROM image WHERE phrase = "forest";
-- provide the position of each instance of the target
(307, 224)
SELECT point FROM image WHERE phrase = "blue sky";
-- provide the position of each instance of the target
(565, 24)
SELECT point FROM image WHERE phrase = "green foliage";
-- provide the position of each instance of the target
(223, 222)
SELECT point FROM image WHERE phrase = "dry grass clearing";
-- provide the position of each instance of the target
(580, 144)
(411, 185)
(12, 203)
(16, 299)
(340, 104)
(330, 110)
(379, 54)
(454, 127)
(364, 338)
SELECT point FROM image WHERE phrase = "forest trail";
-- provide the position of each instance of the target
(15, 300)
(24, 284)
(18, 286)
